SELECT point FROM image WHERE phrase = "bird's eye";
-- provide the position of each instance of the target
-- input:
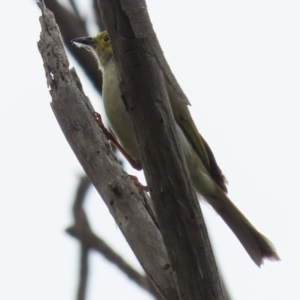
(106, 38)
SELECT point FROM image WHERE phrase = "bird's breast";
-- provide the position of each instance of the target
(116, 113)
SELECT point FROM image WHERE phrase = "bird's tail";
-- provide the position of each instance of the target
(257, 245)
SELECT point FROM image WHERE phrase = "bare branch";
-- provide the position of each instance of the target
(125, 202)
(142, 69)
(98, 16)
(72, 27)
(96, 243)
(75, 9)
(89, 240)
(82, 189)
(82, 225)
(84, 269)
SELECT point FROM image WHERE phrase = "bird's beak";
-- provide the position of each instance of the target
(88, 41)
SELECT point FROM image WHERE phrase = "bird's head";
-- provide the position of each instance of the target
(100, 45)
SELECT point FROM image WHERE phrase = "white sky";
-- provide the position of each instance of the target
(239, 64)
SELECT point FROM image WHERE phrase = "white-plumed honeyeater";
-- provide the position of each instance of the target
(206, 175)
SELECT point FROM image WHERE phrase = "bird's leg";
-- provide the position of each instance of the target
(113, 140)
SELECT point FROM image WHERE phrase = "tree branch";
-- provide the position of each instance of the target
(74, 114)
(97, 244)
(142, 69)
(72, 27)
(89, 240)
(82, 224)
(84, 270)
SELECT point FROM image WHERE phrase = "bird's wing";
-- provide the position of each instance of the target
(184, 119)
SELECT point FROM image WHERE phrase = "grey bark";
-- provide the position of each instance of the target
(142, 68)
(125, 201)
(72, 27)
(89, 240)
(178, 211)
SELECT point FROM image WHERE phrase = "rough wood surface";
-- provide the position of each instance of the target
(72, 27)
(126, 203)
(141, 69)
(82, 231)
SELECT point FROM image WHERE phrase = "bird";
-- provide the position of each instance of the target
(207, 177)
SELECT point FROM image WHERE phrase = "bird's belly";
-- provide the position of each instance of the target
(119, 119)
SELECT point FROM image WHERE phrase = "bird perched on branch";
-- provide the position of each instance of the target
(206, 175)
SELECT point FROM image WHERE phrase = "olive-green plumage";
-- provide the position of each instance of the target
(206, 175)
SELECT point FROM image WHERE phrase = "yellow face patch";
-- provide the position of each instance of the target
(103, 42)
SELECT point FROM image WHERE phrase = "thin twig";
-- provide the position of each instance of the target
(98, 16)
(84, 270)
(96, 243)
(82, 223)
(89, 240)
(75, 9)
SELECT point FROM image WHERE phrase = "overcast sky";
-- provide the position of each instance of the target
(239, 64)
